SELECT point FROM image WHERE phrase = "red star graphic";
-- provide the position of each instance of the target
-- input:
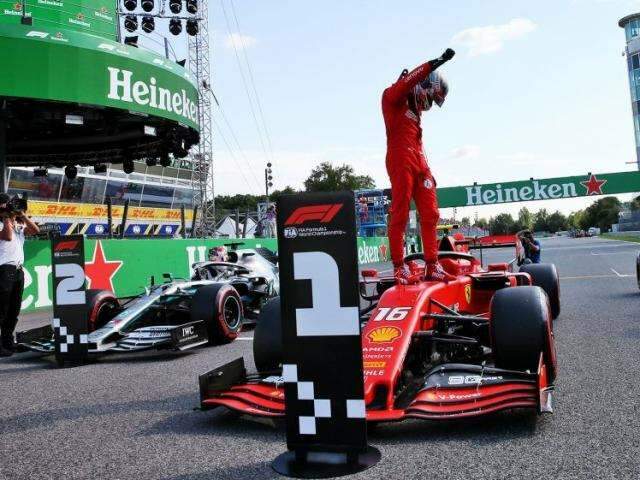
(383, 251)
(99, 271)
(593, 185)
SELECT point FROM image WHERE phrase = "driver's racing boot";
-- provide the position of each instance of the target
(403, 275)
(433, 272)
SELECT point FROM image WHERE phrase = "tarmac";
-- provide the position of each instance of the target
(132, 416)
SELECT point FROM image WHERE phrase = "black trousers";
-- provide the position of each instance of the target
(11, 288)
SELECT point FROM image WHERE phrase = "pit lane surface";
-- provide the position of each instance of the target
(132, 416)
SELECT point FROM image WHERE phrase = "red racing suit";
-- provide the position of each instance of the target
(407, 168)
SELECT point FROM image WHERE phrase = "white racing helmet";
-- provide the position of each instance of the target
(218, 254)
(433, 89)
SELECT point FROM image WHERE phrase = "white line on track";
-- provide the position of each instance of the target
(586, 277)
(619, 274)
(245, 338)
(609, 253)
(590, 247)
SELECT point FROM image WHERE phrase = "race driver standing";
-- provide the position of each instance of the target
(402, 105)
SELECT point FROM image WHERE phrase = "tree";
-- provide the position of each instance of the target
(601, 213)
(465, 221)
(285, 191)
(482, 223)
(525, 219)
(635, 204)
(556, 221)
(239, 201)
(540, 220)
(574, 218)
(327, 178)
(502, 224)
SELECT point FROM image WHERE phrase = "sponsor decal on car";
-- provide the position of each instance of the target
(467, 293)
(472, 379)
(375, 364)
(384, 334)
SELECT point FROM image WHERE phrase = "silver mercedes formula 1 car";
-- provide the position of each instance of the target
(177, 314)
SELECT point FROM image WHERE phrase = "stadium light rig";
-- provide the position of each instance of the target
(131, 23)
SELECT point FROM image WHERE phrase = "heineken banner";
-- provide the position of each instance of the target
(540, 189)
(97, 17)
(69, 66)
(125, 266)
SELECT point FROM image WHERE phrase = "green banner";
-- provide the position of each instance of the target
(540, 189)
(125, 266)
(63, 65)
(97, 17)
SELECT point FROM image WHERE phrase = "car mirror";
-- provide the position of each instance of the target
(167, 277)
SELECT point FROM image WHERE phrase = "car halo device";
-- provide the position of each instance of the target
(324, 394)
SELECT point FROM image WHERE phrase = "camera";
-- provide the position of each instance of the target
(15, 206)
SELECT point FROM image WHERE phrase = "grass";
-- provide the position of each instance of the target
(624, 238)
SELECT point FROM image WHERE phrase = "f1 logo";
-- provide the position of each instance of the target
(66, 245)
(326, 317)
(320, 213)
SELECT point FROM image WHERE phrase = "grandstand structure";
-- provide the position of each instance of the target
(155, 192)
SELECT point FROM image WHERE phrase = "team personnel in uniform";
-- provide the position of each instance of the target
(13, 228)
(402, 105)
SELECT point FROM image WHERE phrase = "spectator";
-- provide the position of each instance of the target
(15, 225)
(363, 210)
(270, 221)
(531, 246)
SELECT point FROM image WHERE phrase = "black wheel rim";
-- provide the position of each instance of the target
(105, 313)
(231, 313)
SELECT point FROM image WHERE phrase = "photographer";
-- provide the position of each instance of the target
(13, 228)
(531, 246)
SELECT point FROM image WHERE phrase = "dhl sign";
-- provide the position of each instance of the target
(90, 210)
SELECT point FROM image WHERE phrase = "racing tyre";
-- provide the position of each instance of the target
(521, 328)
(102, 306)
(545, 275)
(267, 338)
(220, 307)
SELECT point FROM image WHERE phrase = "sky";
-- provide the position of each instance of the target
(537, 89)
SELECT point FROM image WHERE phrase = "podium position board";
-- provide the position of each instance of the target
(322, 358)
(69, 299)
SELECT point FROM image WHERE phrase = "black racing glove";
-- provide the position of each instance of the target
(445, 57)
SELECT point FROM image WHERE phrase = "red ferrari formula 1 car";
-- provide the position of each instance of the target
(431, 350)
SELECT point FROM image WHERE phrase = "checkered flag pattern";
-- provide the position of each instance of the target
(321, 407)
(64, 338)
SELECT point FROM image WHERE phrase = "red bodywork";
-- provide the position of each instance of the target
(494, 241)
(403, 314)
